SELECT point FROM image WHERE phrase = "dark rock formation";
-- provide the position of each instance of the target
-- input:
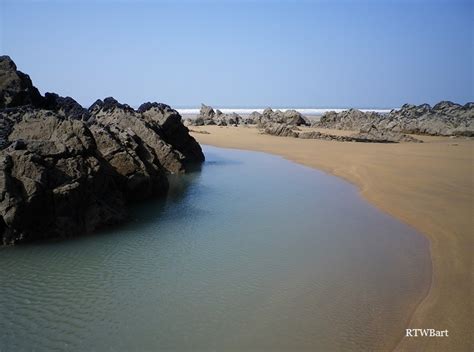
(16, 88)
(66, 170)
(65, 107)
(159, 127)
(54, 183)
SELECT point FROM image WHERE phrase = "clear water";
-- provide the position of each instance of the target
(254, 252)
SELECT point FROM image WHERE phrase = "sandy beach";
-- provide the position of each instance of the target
(430, 186)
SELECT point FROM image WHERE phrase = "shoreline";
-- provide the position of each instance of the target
(431, 204)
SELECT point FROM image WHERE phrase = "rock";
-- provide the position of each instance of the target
(159, 127)
(280, 130)
(65, 107)
(66, 170)
(207, 111)
(54, 183)
(444, 119)
(294, 118)
(351, 119)
(254, 118)
(174, 132)
(16, 88)
(370, 133)
(207, 116)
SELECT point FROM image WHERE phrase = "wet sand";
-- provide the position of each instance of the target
(428, 185)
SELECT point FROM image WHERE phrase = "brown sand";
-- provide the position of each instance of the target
(427, 185)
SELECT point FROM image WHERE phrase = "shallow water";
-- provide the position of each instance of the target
(253, 252)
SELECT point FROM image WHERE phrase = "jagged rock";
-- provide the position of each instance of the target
(207, 111)
(207, 116)
(289, 117)
(158, 127)
(66, 107)
(294, 118)
(16, 88)
(66, 170)
(174, 132)
(280, 130)
(54, 183)
(254, 118)
(444, 119)
(351, 119)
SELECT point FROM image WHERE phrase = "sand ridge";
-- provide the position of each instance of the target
(428, 185)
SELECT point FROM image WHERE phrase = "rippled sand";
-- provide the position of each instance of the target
(430, 186)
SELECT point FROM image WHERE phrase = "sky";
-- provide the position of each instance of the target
(365, 54)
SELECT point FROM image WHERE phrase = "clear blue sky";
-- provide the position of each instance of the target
(245, 53)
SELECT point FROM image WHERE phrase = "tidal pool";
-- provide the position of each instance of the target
(253, 252)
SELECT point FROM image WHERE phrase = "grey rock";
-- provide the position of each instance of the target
(444, 119)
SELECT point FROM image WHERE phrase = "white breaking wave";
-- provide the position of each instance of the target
(304, 111)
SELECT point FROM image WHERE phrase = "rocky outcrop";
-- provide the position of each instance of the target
(289, 117)
(158, 126)
(54, 183)
(66, 108)
(444, 119)
(66, 170)
(207, 116)
(351, 119)
(16, 88)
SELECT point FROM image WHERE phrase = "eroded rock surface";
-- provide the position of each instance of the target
(443, 119)
(67, 170)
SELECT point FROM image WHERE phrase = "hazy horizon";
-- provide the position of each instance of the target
(307, 54)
